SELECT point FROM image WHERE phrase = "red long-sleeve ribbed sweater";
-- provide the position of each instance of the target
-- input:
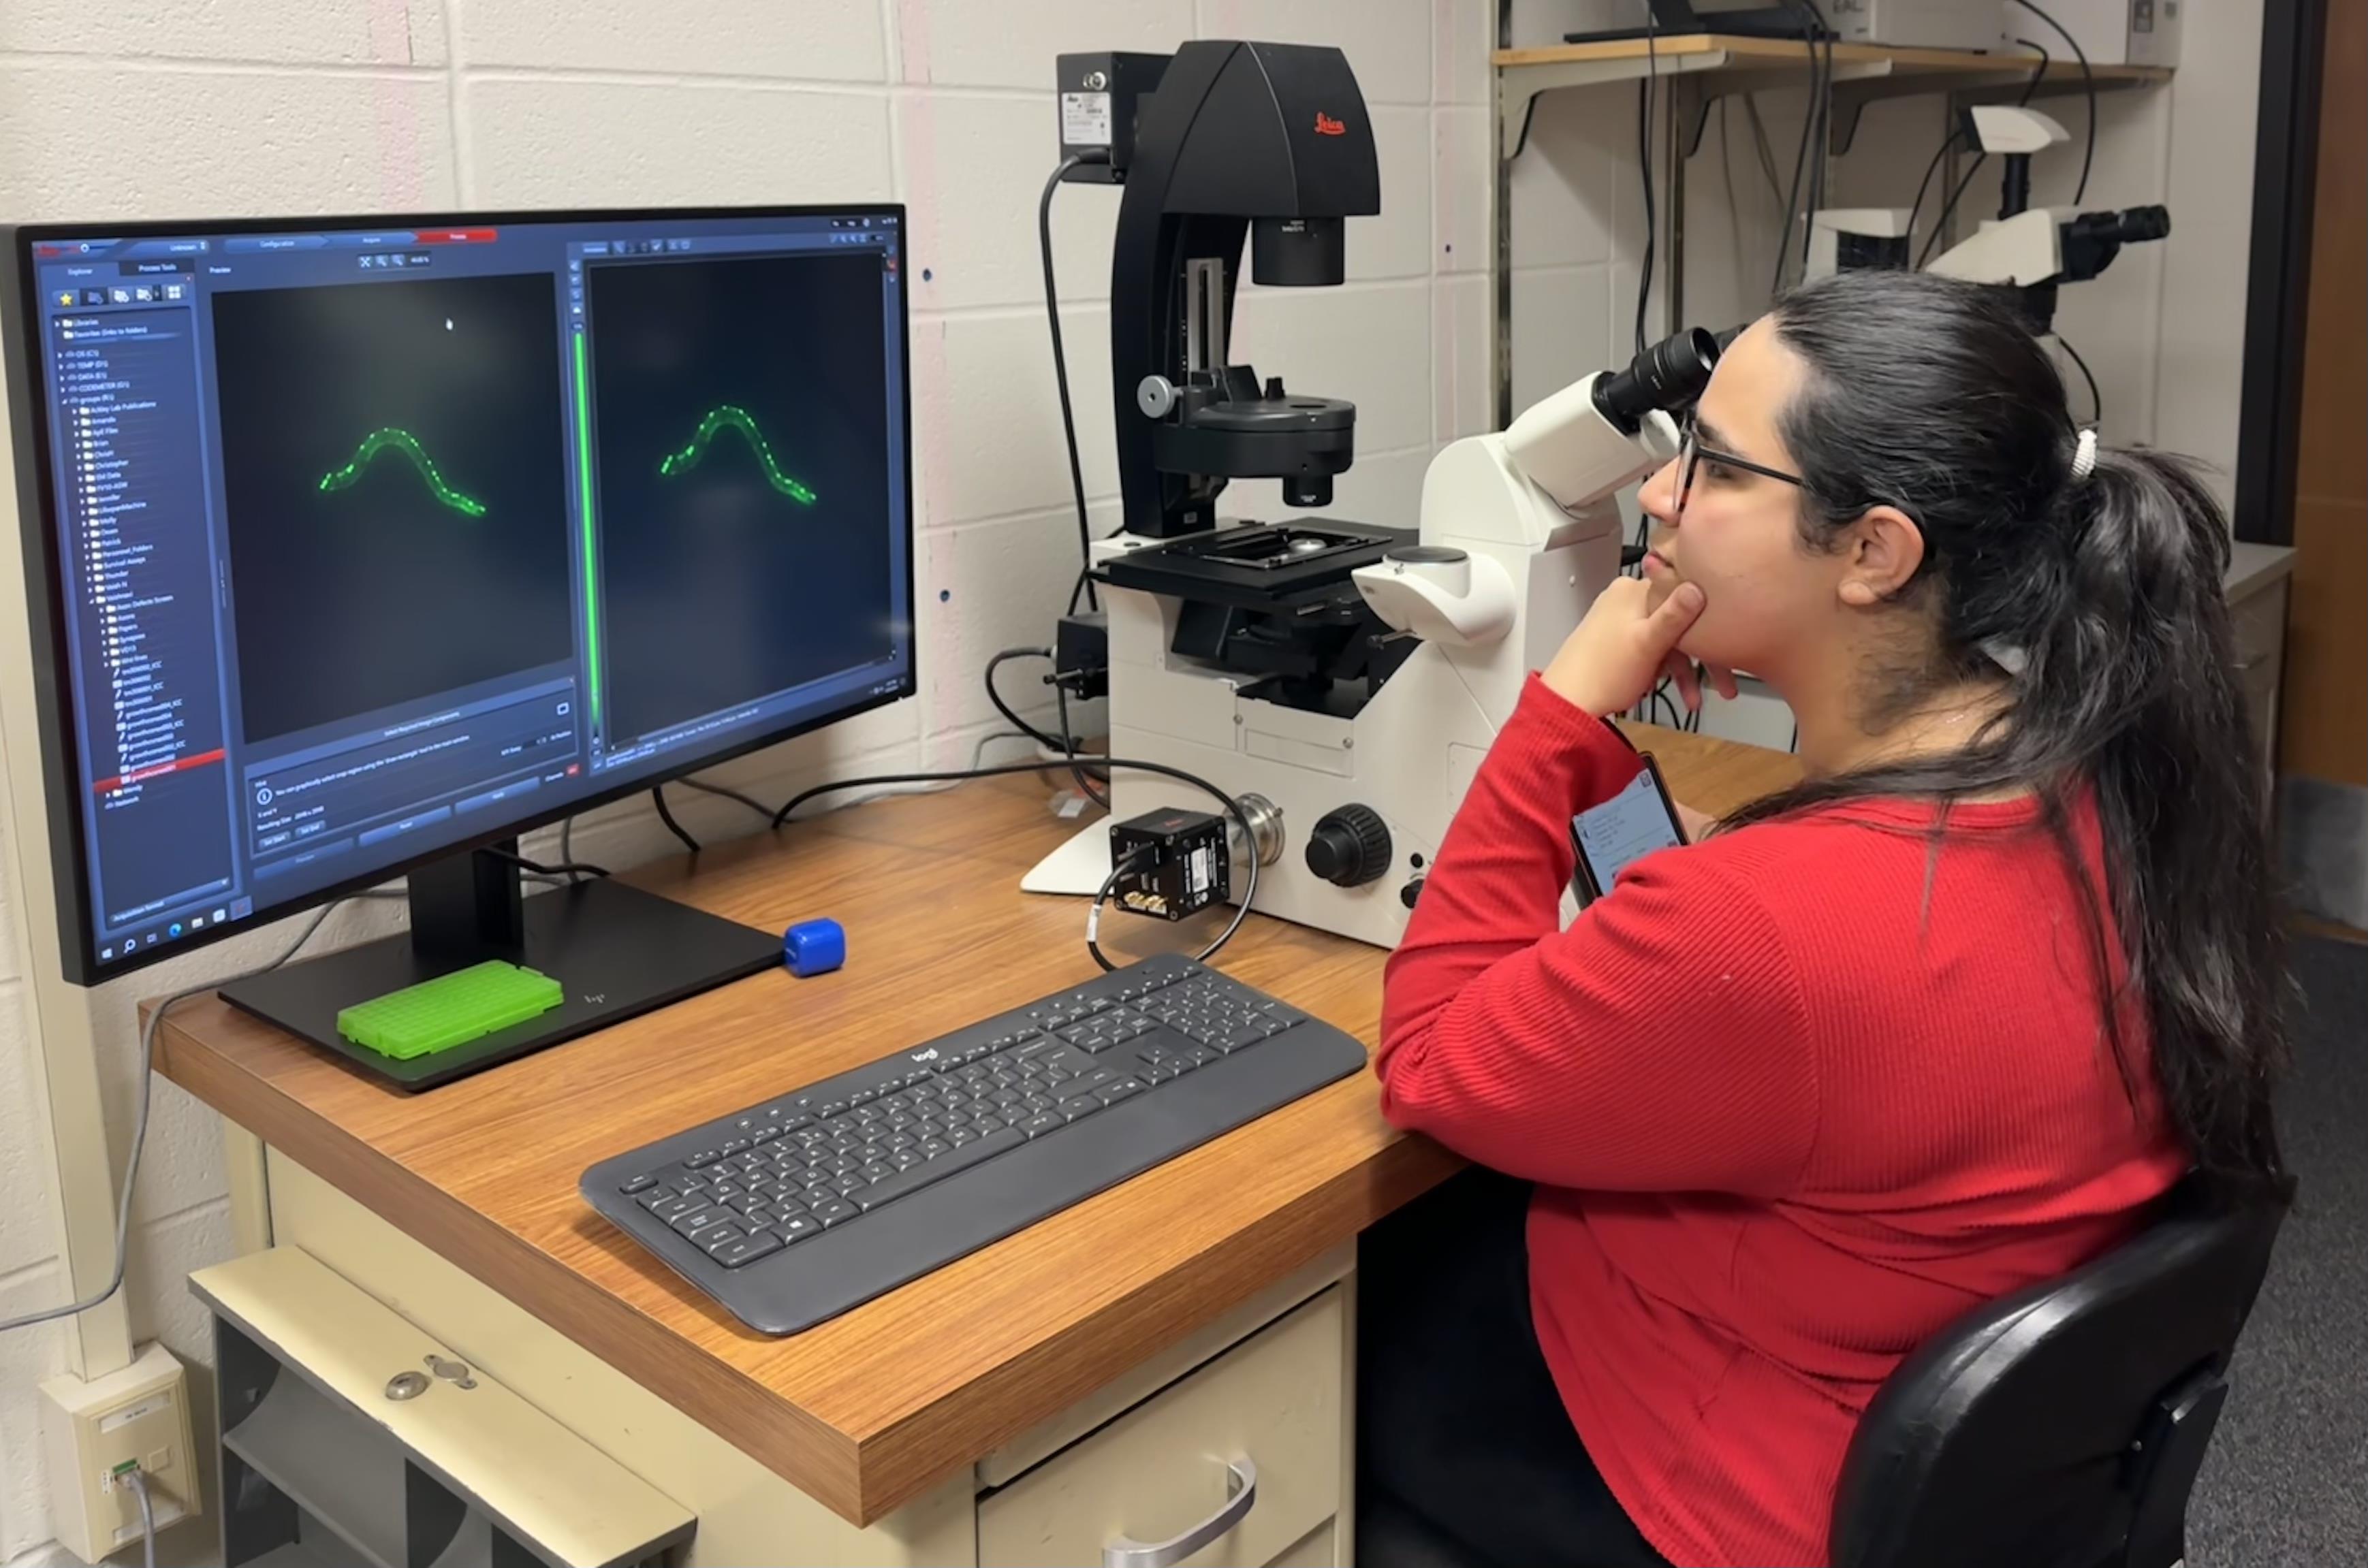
(1794, 1097)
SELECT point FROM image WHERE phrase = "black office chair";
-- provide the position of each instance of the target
(2061, 1426)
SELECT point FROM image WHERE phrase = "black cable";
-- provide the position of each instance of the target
(750, 801)
(1821, 108)
(1792, 196)
(537, 868)
(657, 798)
(2096, 399)
(2031, 87)
(2089, 81)
(1085, 780)
(1644, 94)
(1101, 898)
(1941, 224)
(1234, 809)
(1926, 182)
(1060, 365)
(1061, 743)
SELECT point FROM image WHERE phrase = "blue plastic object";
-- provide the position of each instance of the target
(814, 946)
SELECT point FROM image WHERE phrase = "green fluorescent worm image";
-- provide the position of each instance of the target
(404, 441)
(731, 415)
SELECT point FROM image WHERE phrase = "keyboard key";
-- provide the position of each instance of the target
(796, 1228)
(674, 1208)
(651, 1196)
(639, 1184)
(721, 1232)
(923, 1173)
(1110, 1094)
(704, 1158)
(836, 1209)
(1036, 1126)
(958, 1136)
(691, 1221)
(1083, 1105)
(931, 1148)
(877, 1171)
(746, 1249)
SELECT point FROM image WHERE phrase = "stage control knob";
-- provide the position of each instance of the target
(1349, 847)
(1411, 892)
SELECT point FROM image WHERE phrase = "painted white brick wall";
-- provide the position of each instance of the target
(144, 108)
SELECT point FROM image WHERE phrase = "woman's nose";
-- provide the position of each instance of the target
(1658, 496)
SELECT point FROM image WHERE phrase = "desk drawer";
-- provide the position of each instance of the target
(1276, 1400)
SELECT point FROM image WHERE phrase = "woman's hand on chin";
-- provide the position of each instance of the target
(1626, 645)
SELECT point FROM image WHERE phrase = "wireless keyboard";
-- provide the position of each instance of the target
(794, 1210)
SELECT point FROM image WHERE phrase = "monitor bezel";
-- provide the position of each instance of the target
(39, 526)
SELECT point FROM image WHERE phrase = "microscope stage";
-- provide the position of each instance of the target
(1257, 566)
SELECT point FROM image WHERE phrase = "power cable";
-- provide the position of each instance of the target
(1061, 367)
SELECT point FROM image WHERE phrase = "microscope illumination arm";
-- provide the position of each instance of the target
(1540, 485)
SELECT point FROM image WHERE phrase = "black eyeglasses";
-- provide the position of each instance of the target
(1691, 454)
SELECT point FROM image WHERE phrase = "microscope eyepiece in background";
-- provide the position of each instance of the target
(1669, 375)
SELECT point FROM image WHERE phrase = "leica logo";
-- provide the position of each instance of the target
(1327, 126)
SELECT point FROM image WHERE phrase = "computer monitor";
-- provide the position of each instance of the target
(356, 544)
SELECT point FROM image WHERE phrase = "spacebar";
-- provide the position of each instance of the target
(944, 1166)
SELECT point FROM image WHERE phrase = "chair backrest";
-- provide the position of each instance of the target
(2061, 1427)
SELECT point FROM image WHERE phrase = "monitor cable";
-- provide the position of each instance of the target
(1084, 582)
(140, 1123)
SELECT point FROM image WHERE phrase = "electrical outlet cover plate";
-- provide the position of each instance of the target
(141, 1413)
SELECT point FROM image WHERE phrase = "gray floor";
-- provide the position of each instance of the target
(2286, 1481)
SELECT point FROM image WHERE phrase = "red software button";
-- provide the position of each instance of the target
(457, 236)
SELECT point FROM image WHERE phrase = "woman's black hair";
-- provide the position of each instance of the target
(2097, 599)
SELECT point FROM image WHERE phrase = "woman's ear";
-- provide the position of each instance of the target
(1883, 552)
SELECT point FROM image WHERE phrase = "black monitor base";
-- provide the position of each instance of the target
(618, 951)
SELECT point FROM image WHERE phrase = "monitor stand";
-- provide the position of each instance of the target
(618, 951)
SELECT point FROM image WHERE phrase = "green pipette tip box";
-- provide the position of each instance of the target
(452, 1009)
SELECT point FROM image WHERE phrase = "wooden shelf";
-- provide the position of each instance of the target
(1712, 65)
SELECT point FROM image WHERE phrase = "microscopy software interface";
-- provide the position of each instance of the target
(367, 533)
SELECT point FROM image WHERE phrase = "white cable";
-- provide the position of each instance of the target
(134, 1479)
(139, 1124)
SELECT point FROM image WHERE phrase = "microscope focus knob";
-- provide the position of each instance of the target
(1350, 847)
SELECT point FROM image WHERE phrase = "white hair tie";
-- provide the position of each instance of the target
(2084, 455)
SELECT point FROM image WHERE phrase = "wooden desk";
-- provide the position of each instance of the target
(867, 1412)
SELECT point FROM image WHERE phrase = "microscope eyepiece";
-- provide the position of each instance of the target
(1669, 375)
(2140, 223)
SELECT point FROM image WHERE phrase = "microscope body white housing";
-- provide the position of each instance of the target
(1519, 531)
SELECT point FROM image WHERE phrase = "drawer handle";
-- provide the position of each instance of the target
(1241, 1497)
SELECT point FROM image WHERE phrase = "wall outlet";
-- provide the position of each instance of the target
(97, 1431)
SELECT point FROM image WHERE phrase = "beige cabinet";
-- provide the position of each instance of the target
(1258, 1404)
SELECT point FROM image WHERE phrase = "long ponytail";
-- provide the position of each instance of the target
(2099, 596)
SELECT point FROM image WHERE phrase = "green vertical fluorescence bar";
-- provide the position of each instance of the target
(584, 488)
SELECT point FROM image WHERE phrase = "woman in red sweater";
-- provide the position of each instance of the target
(1937, 1024)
